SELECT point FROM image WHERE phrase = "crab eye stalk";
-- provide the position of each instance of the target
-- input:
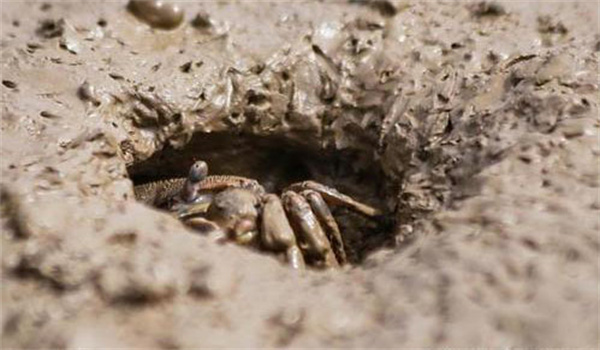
(198, 172)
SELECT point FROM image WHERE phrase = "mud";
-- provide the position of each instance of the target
(474, 125)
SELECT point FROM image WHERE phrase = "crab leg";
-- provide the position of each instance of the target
(308, 227)
(222, 182)
(335, 197)
(277, 234)
(321, 210)
(159, 193)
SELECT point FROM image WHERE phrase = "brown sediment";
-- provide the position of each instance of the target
(474, 125)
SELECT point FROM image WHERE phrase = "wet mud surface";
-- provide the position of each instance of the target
(474, 126)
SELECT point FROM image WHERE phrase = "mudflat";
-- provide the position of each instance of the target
(473, 127)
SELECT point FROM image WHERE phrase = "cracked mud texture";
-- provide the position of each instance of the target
(482, 119)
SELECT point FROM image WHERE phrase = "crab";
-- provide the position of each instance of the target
(297, 225)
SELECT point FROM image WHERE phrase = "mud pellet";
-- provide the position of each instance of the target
(49, 115)
(156, 13)
(115, 76)
(86, 92)
(489, 9)
(49, 28)
(9, 84)
(201, 21)
(573, 130)
(186, 67)
(385, 8)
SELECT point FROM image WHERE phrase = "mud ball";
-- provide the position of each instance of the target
(156, 13)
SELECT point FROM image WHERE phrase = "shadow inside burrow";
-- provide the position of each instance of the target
(277, 162)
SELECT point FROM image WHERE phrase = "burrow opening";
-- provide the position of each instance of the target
(276, 163)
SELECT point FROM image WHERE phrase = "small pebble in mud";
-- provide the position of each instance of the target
(201, 21)
(486, 9)
(70, 45)
(573, 130)
(384, 7)
(9, 84)
(186, 67)
(31, 47)
(116, 76)
(45, 7)
(156, 13)
(50, 28)
(86, 92)
(49, 115)
(547, 25)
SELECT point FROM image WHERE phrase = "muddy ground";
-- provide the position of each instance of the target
(473, 125)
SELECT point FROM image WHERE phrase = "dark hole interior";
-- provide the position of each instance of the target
(277, 163)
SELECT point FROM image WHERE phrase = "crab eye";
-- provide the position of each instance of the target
(198, 171)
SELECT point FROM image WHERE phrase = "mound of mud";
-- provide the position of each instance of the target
(473, 126)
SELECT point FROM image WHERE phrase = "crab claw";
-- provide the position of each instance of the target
(235, 211)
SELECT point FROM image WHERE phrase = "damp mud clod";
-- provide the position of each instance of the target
(472, 126)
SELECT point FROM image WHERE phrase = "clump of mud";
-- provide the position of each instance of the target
(473, 126)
